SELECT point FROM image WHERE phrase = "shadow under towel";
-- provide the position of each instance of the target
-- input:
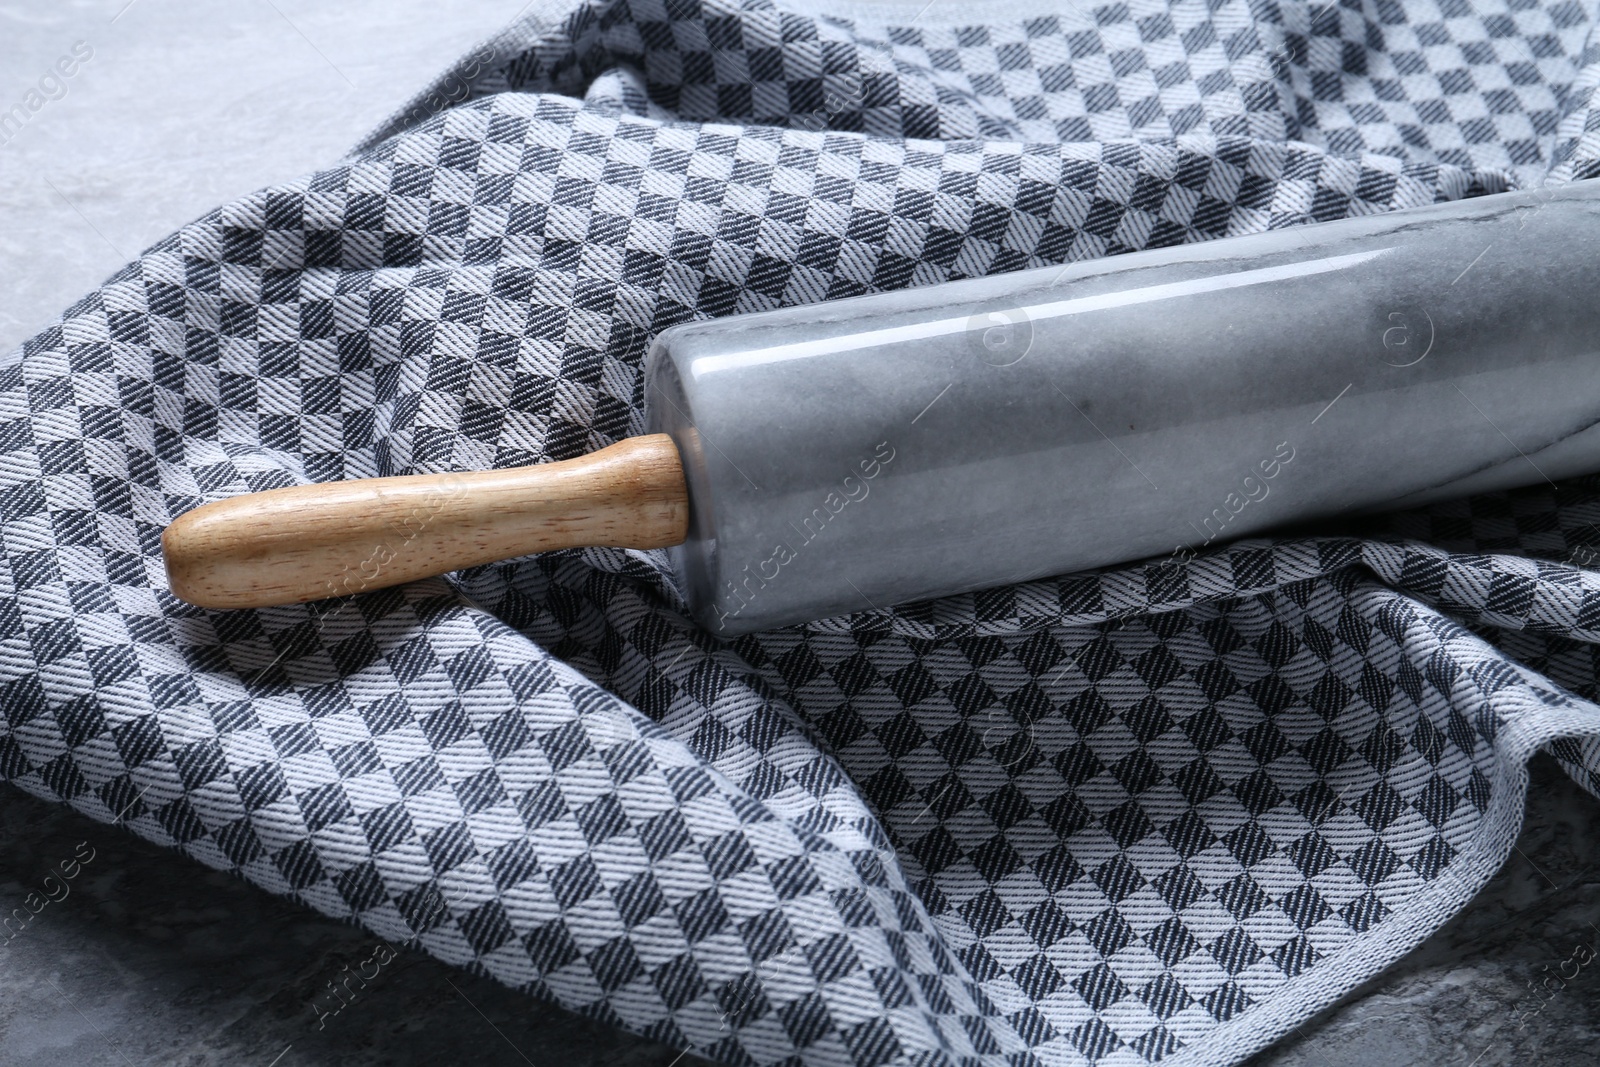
(1155, 813)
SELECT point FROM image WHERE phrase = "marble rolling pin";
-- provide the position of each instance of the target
(859, 453)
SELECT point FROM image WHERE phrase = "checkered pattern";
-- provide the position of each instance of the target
(1157, 813)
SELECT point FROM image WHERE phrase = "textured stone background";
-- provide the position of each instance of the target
(153, 959)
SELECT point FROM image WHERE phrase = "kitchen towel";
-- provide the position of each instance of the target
(1159, 813)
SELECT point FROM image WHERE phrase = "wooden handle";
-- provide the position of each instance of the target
(307, 542)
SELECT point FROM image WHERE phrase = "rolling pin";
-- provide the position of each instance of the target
(855, 454)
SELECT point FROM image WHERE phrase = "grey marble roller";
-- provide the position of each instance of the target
(872, 451)
(860, 453)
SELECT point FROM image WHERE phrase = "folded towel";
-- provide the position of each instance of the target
(1158, 813)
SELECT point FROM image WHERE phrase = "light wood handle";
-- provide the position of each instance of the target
(307, 542)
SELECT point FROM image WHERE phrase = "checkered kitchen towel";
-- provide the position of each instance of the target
(1087, 820)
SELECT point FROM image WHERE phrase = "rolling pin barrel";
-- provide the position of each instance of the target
(883, 449)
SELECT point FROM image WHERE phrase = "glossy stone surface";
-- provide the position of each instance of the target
(933, 441)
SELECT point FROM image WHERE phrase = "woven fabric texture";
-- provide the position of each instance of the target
(1158, 813)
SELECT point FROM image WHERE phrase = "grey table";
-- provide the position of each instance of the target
(153, 959)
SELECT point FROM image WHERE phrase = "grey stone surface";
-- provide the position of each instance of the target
(185, 105)
(152, 959)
